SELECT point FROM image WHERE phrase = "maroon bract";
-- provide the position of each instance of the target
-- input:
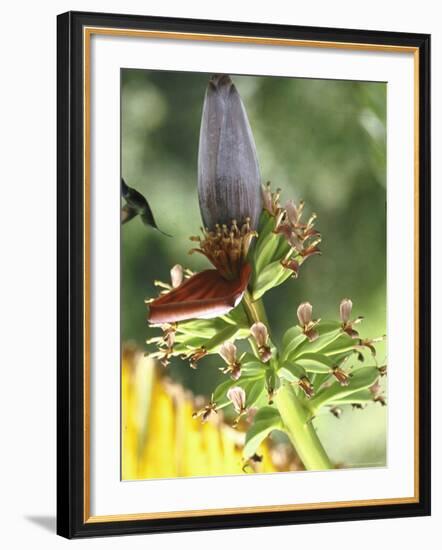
(204, 296)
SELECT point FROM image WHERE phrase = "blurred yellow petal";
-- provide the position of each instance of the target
(160, 439)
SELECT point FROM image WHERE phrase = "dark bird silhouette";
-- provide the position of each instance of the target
(137, 205)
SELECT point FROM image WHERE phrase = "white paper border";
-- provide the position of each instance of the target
(108, 494)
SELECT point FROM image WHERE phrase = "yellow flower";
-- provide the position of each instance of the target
(160, 439)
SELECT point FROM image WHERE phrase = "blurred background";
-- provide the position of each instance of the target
(322, 141)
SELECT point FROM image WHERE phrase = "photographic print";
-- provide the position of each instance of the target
(253, 274)
(243, 274)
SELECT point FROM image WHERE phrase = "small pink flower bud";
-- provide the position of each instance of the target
(304, 312)
(261, 335)
(238, 398)
(345, 310)
(176, 275)
(306, 322)
(228, 353)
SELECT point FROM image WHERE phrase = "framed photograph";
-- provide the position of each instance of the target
(243, 274)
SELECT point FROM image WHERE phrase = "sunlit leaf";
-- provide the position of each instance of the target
(253, 369)
(270, 276)
(341, 345)
(251, 365)
(203, 328)
(267, 245)
(361, 379)
(266, 420)
(292, 371)
(228, 333)
(291, 340)
(219, 395)
(315, 362)
(236, 317)
(253, 389)
(265, 227)
(358, 397)
(320, 344)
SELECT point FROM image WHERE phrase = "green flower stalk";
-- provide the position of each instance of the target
(320, 365)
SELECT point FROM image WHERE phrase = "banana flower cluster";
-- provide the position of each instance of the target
(255, 244)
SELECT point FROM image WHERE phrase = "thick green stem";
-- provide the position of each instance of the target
(295, 416)
(302, 434)
(255, 310)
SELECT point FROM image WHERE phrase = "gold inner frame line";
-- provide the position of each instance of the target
(87, 33)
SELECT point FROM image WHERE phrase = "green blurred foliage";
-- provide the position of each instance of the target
(323, 141)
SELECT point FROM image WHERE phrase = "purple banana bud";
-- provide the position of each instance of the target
(229, 182)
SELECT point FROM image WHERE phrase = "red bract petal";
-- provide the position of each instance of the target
(204, 296)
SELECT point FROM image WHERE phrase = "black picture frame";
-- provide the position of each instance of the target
(71, 520)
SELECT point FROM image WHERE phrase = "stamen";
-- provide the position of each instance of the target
(227, 247)
(315, 242)
(311, 220)
(279, 219)
(193, 250)
(162, 285)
